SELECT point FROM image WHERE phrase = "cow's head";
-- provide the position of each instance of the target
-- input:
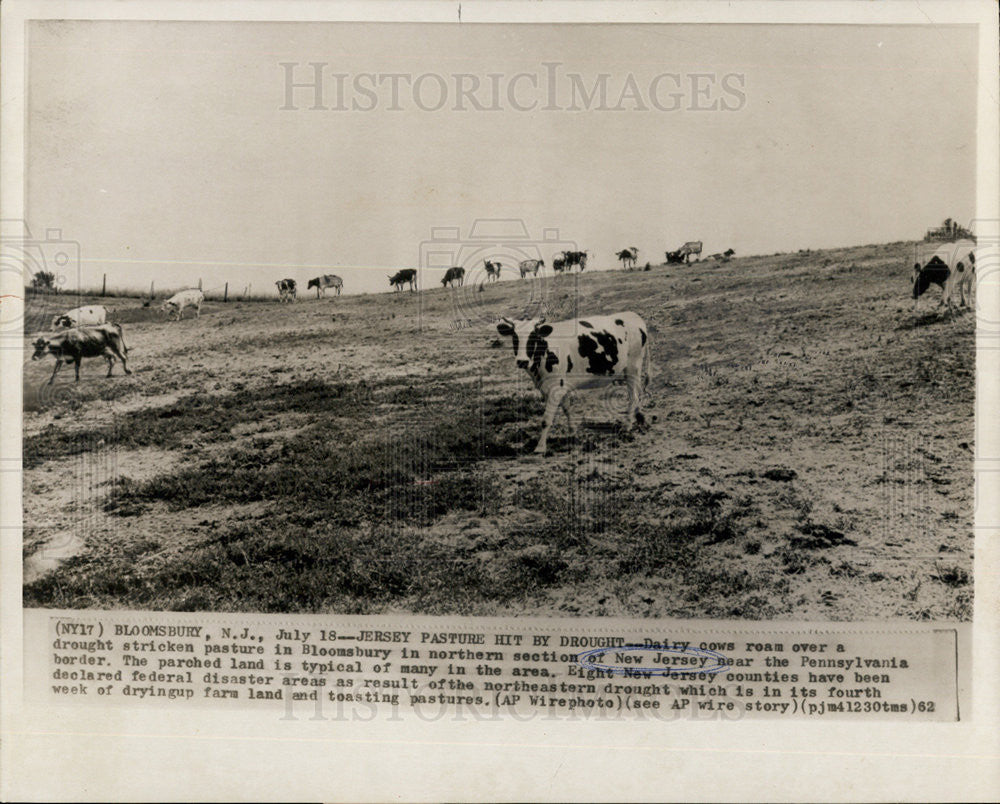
(528, 337)
(62, 321)
(313, 283)
(168, 307)
(41, 348)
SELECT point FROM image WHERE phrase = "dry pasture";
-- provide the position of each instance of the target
(809, 454)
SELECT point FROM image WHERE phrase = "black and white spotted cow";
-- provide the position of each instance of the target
(492, 270)
(583, 353)
(531, 267)
(952, 267)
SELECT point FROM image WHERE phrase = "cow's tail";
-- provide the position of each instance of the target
(121, 334)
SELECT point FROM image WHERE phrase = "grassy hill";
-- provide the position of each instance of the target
(809, 454)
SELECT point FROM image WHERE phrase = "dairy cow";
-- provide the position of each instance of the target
(492, 270)
(71, 346)
(286, 289)
(321, 283)
(531, 267)
(952, 267)
(583, 353)
(406, 275)
(81, 317)
(177, 303)
(456, 276)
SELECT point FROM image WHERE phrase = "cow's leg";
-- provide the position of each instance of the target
(633, 384)
(197, 310)
(59, 362)
(76, 364)
(121, 356)
(111, 362)
(552, 405)
(570, 421)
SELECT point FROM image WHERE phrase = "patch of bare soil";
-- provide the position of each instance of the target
(808, 455)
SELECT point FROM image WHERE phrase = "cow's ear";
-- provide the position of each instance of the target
(543, 329)
(505, 329)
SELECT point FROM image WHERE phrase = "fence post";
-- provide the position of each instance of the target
(199, 284)
(104, 285)
(225, 293)
(151, 289)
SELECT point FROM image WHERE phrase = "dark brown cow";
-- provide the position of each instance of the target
(71, 346)
(400, 278)
(455, 275)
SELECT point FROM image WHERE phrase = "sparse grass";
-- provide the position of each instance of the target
(412, 490)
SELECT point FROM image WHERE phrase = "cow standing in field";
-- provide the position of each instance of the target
(286, 289)
(583, 353)
(492, 270)
(400, 278)
(952, 267)
(530, 267)
(455, 275)
(628, 256)
(71, 346)
(321, 283)
(177, 303)
(571, 258)
(81, 317)
(559, 265)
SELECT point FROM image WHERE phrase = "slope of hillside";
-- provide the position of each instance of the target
(808, 456)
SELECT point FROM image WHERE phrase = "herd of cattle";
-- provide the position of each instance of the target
(560, 357)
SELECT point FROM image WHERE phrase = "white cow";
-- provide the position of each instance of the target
(582, 353)
(81, 317)
(177, 303)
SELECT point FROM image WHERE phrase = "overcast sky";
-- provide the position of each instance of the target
(163, 148)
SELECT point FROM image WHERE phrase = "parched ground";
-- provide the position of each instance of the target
(809, 455)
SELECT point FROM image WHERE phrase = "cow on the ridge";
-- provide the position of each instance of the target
(321, 283)
(628, 256)
(406, 275)
(455, 275)
(571, 258)
(286, 289)
(72, 345)
(181, 300)
(584, 353)
(952, 267)
(530, 267)
(81, 317)
(492, 270)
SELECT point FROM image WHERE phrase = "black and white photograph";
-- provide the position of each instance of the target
(629, 320)
(499, 401)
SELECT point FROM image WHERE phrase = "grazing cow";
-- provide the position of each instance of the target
(400, 278)
(453, 275)
(952, 267)
(286, 289)
(571, 258)
(321, 283)
(492, 270)
(628, 257)
(559, 265)
(531, 267)
(71, 346)
(81, 317)
(584, 353)
(179, 301)
(683, 254)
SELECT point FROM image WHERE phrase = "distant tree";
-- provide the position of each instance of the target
(44, 280)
